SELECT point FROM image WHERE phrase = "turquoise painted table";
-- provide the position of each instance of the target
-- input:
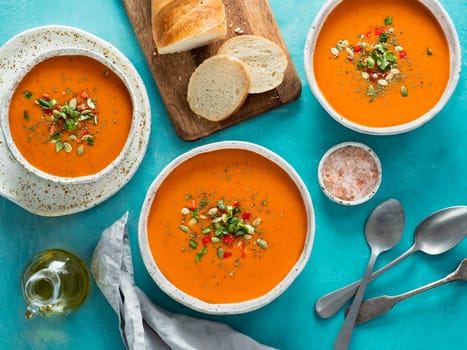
(425, 169)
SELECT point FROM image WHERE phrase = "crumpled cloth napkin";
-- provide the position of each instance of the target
(144, 325)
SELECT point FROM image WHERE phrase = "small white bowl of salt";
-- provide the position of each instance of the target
(350, 173)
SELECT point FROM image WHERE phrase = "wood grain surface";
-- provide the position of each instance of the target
(172, 72)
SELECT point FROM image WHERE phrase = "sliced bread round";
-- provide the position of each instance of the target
(265, 60)
(218, 87)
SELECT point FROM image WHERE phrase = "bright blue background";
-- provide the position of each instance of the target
(425, 169)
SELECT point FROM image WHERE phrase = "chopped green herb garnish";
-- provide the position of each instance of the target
(27, 94)
(72, 119)
(193, 244)
(201, 253)
(377, 55)
(26, 115)
(222, 225)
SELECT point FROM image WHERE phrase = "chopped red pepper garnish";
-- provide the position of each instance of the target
(84, 94)
(368, 34)
(246, 216)
(235, 203)
(357, 48)
(191, 204)
(402, 54)
(227, 254)
(379, 30)
(228, 239)
(206, 240)
(375, 76)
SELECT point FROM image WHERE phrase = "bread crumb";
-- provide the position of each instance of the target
(238, 30)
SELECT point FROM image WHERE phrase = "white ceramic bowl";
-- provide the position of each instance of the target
(230, 308)
(455, 59)
(22, 70)
(350, 173)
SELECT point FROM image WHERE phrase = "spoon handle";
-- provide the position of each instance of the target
(375, 307)
(343, 338)
(329, 304)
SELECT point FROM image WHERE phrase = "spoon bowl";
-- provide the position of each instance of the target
(442, 230)
(384, 227)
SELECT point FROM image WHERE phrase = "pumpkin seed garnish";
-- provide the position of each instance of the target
(67, 147)
(404, 91)
(262, 243)
(184, 228)
(80, 150)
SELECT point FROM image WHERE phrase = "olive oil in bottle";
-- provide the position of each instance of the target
(55, 283)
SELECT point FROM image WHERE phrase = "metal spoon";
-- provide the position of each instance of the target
(374, 307)
(383, 230)
(436, 234)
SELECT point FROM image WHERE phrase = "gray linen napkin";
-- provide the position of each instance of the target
(144, 325)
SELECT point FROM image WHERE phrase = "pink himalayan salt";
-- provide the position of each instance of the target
(349, 173)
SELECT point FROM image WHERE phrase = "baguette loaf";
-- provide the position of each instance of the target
(265, 60)
(218, 87)
(181, 25)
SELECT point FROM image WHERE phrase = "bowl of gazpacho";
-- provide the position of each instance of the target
(226, 228)
(382, 67)
(68, 117)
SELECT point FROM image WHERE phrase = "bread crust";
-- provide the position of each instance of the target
(180, 25)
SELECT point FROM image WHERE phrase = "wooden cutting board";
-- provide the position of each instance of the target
(172, 72)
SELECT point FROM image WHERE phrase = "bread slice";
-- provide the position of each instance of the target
(182, 25)
(265, 60)
(218, 87)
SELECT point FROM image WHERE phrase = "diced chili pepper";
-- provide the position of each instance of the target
(235, 203)
(46, 96)
(402, 54)
(227, 254)
(227, 239)
(368, 34)
(375, 76)
(357, 48)
(246, 216)
(84, 94)
(206, 240)
(191, 204)
(379, 30)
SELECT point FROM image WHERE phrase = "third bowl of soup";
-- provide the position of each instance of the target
(68, 117)
(226, 227)
(382, 67)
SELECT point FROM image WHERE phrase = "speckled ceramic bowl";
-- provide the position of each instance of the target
(449, 29)
(229, 308)
(40, 193)
(39, 52)
(350, 173)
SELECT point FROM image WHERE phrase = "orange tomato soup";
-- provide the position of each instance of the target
(248, 266)
(89, 137)
(421, 55)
